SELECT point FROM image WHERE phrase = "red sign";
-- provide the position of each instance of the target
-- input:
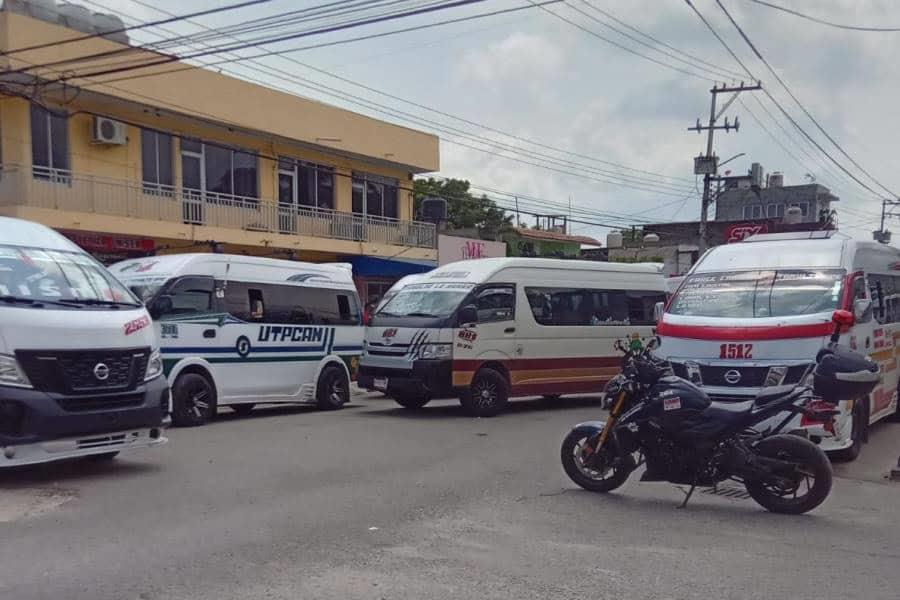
(136, 325)
(737, 233)
(98, 242)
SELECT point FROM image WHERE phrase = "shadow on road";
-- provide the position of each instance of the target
(74, 469)
(442, 409)
(263, 411)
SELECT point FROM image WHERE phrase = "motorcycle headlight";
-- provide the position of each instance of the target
(154, 366)
(11, 373)
(436, 351)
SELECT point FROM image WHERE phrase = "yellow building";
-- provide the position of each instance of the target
(175, 159)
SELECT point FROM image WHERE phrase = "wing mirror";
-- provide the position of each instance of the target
(159, 307)
(658, 309)
(862, 309)
(841, 319)
(468, 315)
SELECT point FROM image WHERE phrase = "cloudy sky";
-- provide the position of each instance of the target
(561, 111)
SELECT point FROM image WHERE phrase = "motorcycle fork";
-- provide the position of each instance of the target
(613, 417)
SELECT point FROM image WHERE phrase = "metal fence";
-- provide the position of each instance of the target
(63, 190)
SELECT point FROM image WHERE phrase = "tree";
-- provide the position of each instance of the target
(464, 210)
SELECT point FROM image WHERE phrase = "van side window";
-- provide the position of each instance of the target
(257, 307)
(577, 307)
(885, 293)
(291, 304)
(496, 303)
(189, 296)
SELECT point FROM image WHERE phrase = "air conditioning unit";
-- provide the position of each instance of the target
(109, 132)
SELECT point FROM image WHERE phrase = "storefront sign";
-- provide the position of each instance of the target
(737, 233)
(98, 242)
(452, 249)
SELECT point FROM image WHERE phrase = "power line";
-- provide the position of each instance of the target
(797, 101)
(823, 21)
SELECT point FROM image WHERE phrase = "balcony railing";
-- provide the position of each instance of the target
(63, 190)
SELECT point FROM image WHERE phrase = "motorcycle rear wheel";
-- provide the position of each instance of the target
(604, 480)
(810, 483)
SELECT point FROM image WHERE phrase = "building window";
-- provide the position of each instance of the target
(804, 208)
(375, 290)
(49, 145)
(222, 174)
(304, 184)
(156, 161)
(374, 196)
(775, 211)
(753, 211)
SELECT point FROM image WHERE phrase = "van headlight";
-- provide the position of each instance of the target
(154, 366)
(11, 373)
(436, 351)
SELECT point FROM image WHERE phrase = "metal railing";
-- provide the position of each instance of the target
(63, 190)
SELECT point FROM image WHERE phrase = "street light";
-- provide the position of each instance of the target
(732, 158)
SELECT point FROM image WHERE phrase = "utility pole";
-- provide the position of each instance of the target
(888, 209)
(708, 164)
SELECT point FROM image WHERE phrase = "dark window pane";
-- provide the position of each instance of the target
(359, 190)
(285, 188)
(579, 307)
(390, 201)
(193, 296)
(237, 301)
(149, 166)
(190, 172)
(326, 187)
(374, 199)
(164, 147)
(218, 169)
(306, 185)
(189, 145)
(40, 150)
(496, 304)
(245, 182)
(286, 164)
(59, 141)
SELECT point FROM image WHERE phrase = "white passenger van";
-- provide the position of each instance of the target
(242, 330)
(488, 329)
(80, 370)
(753, 314)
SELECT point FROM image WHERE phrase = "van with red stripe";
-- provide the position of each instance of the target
(489, 329)
(753, 314)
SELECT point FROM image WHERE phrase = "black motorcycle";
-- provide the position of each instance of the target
(671, 426)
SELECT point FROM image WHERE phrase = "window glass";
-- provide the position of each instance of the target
(306, 185)
(188, 296)
(390, 201)
(285, 188)
(49, 140)
(189, 145)
(375, 195)
(257, 306)
(426, 300)
(245, 174)
(359, 193)
(758, 294)
(156, 157)
(59, 142)
(218, 169)
(374, 199)
(40, 137)
(325, 185)
(496, 303)
(586, 307)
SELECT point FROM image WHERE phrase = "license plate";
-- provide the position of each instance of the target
(380, 383)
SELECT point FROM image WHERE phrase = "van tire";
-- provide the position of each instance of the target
(487, 395)
(858, 428)
(333, 389)
(242, 410)
(193, 400)
(411, 401)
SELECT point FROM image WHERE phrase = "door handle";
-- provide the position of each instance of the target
(209, 333)
(509, 330)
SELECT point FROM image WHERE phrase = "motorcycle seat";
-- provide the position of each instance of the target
(770, 394)
(727, 412)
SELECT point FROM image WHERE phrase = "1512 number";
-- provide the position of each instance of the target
(736, 351)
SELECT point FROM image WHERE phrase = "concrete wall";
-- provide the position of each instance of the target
(730, 203)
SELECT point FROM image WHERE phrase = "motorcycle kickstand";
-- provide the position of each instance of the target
(687, 496)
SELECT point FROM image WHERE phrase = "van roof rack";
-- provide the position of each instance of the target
(826, 234)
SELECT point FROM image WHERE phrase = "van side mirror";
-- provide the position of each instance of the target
(468, 315)
(658, 309)
(862, 309)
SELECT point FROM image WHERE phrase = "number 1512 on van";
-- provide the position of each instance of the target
(736, 351)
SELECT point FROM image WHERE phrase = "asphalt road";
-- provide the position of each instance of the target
(378, 502)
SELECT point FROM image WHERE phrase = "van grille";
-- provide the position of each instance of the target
(87, 403)
(75, 372)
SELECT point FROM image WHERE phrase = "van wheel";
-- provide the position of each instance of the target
(411, 401)
(333, 390)
(858, 424)
(487, 395)
(242, 410)
(193, 400)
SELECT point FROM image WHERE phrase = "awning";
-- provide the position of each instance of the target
(370, 266)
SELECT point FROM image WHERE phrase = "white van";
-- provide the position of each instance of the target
(488, 329)
(243, 330)
(753, 314)
(80, 369)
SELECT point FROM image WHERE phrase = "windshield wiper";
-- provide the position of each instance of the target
(96, 302)
(31, 301)
(420, 314)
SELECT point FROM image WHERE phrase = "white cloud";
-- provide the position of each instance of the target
(518, 57)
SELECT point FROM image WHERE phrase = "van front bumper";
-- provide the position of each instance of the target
(30, 417)
(431, 378)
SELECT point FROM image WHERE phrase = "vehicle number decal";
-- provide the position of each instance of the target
(736, 351)
(673, 403)
(136, 325)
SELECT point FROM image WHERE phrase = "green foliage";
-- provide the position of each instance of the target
(464, 209)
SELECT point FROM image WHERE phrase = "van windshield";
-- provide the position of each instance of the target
(146, 287)
(758, 294)
(426, 300)
(34, 276)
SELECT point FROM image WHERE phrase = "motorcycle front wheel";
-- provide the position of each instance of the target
(798, 489)
(605, 476)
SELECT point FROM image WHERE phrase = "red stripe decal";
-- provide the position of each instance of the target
(524, 364)
(740, 334)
